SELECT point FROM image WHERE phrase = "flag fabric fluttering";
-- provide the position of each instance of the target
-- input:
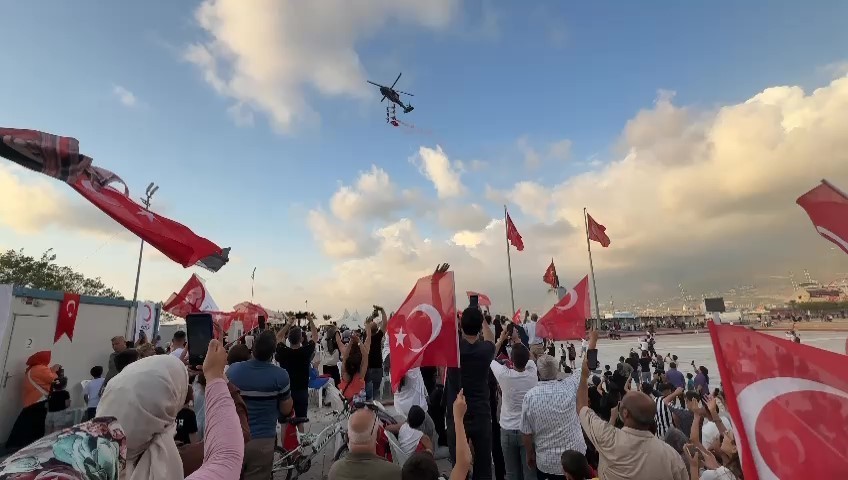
(512, 234)
(827, 208)
(59, 157)
(422, 332)
(550, 276)
(516, 319)
(192, 298)
(567, 319)
(482, 299)
(788, 402)
(597, 232)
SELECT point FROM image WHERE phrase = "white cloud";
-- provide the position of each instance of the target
(463, 217)
(373, 196)
(266, 55)
(338, 240)
(559, 150)
(126, 97)
(437, 167)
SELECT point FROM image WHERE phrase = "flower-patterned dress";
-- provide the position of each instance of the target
(94, 450)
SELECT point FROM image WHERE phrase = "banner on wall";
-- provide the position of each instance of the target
(67, 318)
(145, 318)
(5, 308)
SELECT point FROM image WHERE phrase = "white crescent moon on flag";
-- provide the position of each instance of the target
(753, 398)
(71, 306)
(435, 323)
(149, 312)
(88, 186)
(572, 299)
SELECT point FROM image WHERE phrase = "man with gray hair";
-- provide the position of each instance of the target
(362, 463)
(549, 418)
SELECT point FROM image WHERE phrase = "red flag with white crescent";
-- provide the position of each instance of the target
(567, 319)
(550, 277)
(788, 402)
(827, 208)
(516, 319)
(422, 332)
(512, 234)
(192, 298)
(597, 232)
(67, 319)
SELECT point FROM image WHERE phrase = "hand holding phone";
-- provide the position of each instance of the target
(199, 331)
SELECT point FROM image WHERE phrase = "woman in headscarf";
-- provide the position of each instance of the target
(38, 377)
(146, 397)
(92, 450)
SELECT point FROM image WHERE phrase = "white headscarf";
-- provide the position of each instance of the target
(145, 398)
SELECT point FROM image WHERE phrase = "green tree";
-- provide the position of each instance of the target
(20, 269)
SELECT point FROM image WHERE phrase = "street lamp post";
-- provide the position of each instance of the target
(151, 189)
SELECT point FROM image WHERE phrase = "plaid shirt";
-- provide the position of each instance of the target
(549, 413)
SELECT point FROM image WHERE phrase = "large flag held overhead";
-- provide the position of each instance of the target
(567, 319)
(482, 299)
(827, 208)
(788, 402)
(550, 276)
(597, 232)
(516, 319)
(192, 298)
(512, 234)
(422, 332)
(59, 157)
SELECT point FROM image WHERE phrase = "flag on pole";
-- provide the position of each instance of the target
(788, 402)
(550, 276)
(597, 232)
(512, 234)
(516, 319)
(827, 208)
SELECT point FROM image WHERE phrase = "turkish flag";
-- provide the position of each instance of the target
(827, 207)
(422, 332)
(550, 276)
(482, 298)
(67, 318)
(597, 232)
(788, 401)
(516, 319)
(192, 298)
(173, 239)
(512, 234)
(567, 319)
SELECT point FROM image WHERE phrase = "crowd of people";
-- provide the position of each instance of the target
(152, 415)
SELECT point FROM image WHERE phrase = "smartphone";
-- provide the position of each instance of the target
(474, 301)
(593, 359)
(261, 322)
(199, 331)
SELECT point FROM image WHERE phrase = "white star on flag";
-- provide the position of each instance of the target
(399, 338)
(146, 213)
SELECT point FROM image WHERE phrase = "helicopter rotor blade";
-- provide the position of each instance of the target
(396, 80)
(376, 84)
(411, 95)
(381, 100)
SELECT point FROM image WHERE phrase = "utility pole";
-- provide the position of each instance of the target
(151, 189)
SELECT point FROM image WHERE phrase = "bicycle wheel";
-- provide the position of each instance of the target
(280, 466)
(341, 453)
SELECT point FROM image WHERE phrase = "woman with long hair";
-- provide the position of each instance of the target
(355, 365)
(330, 354)
(38, 377)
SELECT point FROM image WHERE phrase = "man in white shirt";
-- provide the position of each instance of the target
(535, 343)
(178, 343)
(514, 385)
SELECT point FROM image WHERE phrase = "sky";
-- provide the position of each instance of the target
(688, 130)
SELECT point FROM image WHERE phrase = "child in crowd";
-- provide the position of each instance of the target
(92, 391)
(607, 373)
(690, 383)
(57, 407)
(186, 423)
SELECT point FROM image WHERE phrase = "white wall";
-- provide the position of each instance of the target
(35, 324)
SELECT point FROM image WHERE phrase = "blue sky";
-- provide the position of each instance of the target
(491, 80)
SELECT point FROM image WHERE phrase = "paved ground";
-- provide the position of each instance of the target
(687, 347)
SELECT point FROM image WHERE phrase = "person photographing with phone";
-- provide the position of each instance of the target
(374, 377)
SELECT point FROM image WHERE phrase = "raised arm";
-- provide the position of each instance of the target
(488, 334)
(365, 347)
(281, 335)
(384, 321)
(314, 330)
(463, 452)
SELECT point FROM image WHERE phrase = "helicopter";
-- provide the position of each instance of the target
(394, 95)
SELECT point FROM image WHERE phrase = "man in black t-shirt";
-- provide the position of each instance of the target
(296, 361)
(374, 377)
(475, 356)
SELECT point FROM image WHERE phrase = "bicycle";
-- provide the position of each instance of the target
(298, 461)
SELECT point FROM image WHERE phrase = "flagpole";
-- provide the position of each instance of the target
(592, 270)
(151, 189)
(252, 282)
(508, 261)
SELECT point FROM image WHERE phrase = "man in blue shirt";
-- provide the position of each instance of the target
(676, 379)
(265, 389)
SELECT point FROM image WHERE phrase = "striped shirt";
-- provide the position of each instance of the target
(662, 418)
(549, 413)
